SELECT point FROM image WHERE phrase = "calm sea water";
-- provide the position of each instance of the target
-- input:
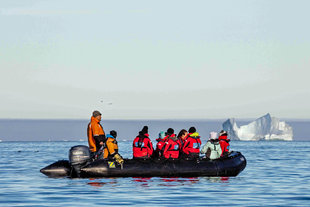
(277, 174)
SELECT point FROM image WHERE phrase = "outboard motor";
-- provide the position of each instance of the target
(79, 156)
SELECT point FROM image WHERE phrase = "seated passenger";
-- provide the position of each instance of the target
(142, 145)
(182, 136)
(172, 145)
(224, 142)
(111, 149)
(159, 146)
(191, 147)
(212, 148)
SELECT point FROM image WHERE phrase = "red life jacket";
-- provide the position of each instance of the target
(224, 142)
(182, 142)
(192, 145)
(142, 147)
(171, 148)
(160, 144)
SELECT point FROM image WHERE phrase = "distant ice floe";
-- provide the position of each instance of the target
(263, 128)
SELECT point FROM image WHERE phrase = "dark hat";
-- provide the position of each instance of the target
(192, 130)
(223, 132)
(113, 133)
(145, 130)
(96, 113)
(170, 131)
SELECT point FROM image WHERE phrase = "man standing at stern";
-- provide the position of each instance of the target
(95, 133)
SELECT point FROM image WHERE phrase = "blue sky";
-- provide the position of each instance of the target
(163, 59)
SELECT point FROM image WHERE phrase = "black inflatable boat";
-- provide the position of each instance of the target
(79, 165)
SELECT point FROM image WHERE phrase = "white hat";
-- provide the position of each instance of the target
(213, 135)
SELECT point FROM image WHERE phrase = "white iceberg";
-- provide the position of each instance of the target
(263, 128)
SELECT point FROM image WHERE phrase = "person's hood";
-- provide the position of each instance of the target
(214, 141)
(160, 139)
(141, 135)
(110, 136)
(195, 134)
(170, 136)
(93, 119)
(174, 138)
(223, 137)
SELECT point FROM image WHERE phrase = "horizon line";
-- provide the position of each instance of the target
(145, 119)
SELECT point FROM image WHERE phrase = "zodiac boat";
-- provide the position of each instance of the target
(81, 166)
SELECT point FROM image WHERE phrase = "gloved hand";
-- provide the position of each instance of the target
(118, 159)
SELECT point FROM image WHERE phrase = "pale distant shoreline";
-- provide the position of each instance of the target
(151, 119)
(73, 130)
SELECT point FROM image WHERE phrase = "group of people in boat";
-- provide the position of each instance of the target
(185, 145)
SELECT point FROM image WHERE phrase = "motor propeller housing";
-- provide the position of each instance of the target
(79, 156)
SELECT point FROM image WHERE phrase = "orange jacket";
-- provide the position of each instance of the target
(94, 129)
(111, 147)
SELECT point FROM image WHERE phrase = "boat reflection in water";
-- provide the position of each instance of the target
(95, 183)
(157, 181)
